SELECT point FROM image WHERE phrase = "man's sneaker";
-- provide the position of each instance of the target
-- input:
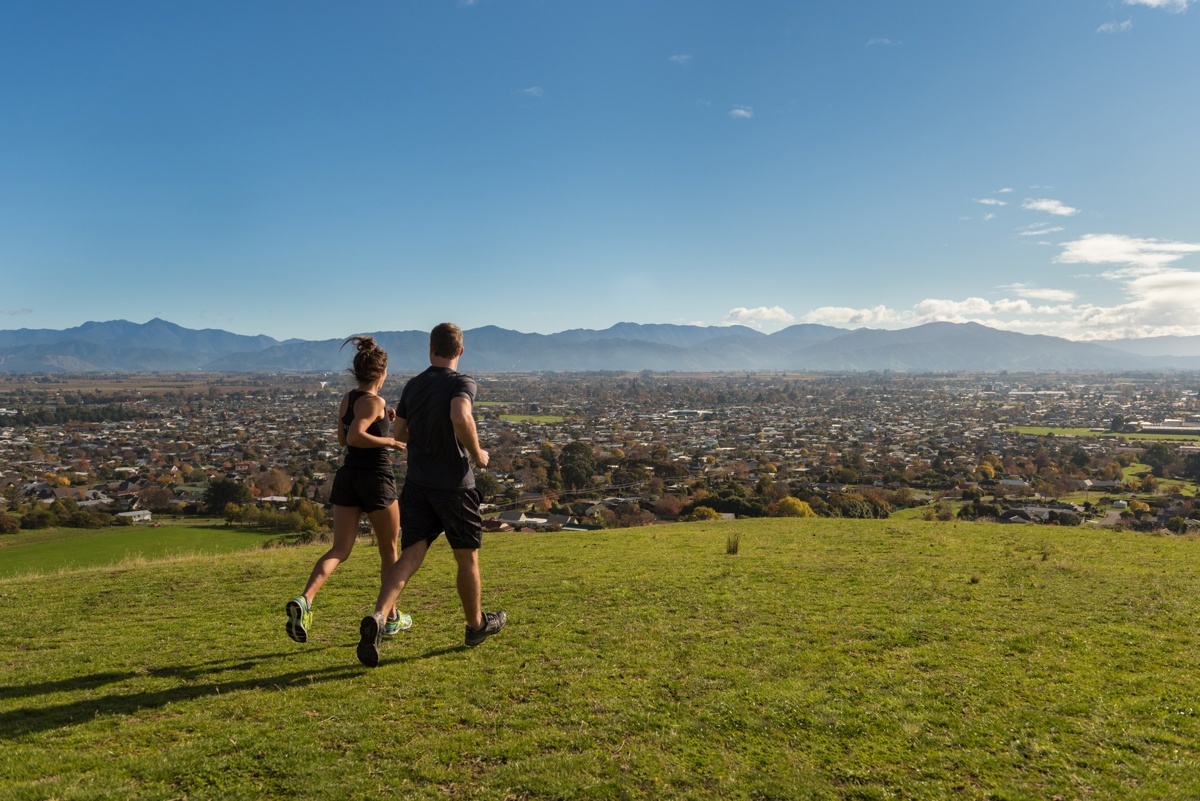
(492, 623)
(368, 643)
(395, 625)
(299, 618)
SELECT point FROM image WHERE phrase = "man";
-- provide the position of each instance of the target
(434, 417)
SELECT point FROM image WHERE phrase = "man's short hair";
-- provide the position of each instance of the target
(446, 341)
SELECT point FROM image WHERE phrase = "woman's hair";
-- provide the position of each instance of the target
(369, 362)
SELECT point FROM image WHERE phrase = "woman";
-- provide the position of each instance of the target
(364, 483)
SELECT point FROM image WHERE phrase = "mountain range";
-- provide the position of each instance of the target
(159, 345)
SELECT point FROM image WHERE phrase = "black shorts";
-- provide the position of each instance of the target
(368, 488)
(426, 513)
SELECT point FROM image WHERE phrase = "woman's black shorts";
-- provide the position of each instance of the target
(369, 488)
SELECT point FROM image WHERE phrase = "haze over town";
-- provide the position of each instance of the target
(316, 171)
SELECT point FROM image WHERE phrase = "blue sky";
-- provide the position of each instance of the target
(313, 170)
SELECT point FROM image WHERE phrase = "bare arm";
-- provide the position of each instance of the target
(341, 429)
(464, 430)
(400, 429)
(367, 409)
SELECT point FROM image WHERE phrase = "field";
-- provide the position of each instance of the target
(52, 550)
(825, 659)
(1042, 431)
(531, 418)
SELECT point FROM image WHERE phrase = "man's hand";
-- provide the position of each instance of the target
(481, 458)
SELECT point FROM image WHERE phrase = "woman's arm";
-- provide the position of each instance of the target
(367, 410)
(341, 429)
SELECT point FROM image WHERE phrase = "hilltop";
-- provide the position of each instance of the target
(825, 659)
(159, 345)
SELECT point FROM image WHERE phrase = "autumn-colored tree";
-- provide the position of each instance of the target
(794, 507)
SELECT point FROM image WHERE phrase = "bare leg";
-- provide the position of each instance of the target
(470, 588)
(386, 523)
(397, 576)
(345, 531)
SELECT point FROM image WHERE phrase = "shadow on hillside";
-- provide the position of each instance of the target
(211, 679)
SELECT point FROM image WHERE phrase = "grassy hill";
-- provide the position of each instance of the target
(826, 659)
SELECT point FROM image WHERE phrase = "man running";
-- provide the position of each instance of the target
(434, 417)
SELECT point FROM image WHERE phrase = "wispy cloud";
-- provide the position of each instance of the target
(1037, 293)
(991, 201)
(1177, 6)
(1116, 27)
(741, 112)
(880, 41)
(533, 91)
(1040, 229)
(762, 317)
(1004, 191)
(1056, 207)
(1142, 255)
(682, 59)
(15, 312)
(990, 215)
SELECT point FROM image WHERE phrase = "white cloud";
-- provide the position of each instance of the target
(1170, 5)
(882, 41)
(1056, 207)
(741, 112)
(682, 59)
(533, 91)
(843, 315)
(1040, 229)
(991, 201)
(1004, 191)
(1026, 291)
(1116, 27)
(761, 317)
(1143, 255)
(989, 216)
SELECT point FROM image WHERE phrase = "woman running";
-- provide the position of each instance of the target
(364, 483)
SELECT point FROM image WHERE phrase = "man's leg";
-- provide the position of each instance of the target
(470, 588)
(397, 576)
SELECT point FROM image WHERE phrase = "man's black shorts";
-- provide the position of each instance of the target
(426, 513)
(369, 488)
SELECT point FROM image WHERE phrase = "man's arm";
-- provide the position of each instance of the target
(400, 429)
(464, 429)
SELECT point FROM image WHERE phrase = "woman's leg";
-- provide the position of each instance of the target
(386, 522)
(345, 531)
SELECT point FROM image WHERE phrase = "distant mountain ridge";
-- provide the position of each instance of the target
(159, 345)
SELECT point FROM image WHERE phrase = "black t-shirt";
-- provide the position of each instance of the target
(436, 459)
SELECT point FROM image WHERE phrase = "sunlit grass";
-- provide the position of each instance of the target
(825, 659)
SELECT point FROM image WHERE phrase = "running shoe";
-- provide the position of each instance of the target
(368, 644)
(395, 625)
(492, 623)
(299, 618)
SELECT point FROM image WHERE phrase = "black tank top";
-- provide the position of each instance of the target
(364, 457)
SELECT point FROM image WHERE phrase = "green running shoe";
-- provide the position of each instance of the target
(395, 625)
(299, 618)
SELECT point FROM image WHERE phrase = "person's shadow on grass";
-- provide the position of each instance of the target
(213, 678)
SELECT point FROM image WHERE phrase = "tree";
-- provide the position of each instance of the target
(224, 491)
(577, 465)
(702, 513)
(487, 484)
(156, 499)
(9, 524)
(794, 507)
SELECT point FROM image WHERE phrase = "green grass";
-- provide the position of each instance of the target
(532, 418)
(53, 549)
(1042, 431)
(838, 659)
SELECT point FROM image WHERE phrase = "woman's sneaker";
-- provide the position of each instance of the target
(299, 618)
(395, 625)
(492, 623)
